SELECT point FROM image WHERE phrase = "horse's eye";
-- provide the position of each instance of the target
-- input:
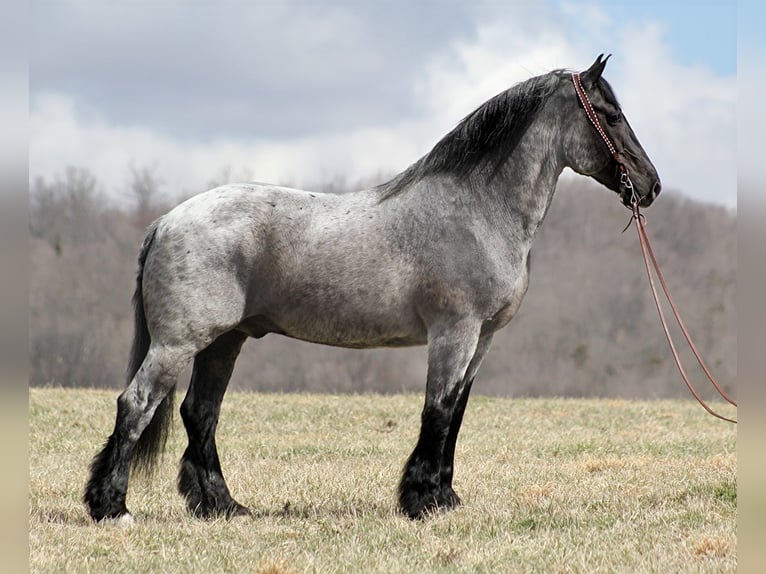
(613, 118)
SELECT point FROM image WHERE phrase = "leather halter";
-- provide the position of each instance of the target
(582, 95)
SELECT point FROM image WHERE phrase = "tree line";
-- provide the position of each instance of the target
(587, 326)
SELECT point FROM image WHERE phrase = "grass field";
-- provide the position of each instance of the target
(547, 486)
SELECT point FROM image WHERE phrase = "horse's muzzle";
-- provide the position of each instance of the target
(645, 200)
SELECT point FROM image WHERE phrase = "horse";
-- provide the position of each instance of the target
(437, 256)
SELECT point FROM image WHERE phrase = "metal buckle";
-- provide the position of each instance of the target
(625, 180)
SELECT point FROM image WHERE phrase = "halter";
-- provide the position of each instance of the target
(646, 248)
(625, 182)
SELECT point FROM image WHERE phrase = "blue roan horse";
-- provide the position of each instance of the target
(438, 256)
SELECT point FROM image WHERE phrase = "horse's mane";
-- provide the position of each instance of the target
(484, 139)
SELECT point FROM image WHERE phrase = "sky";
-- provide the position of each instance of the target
(304, 92)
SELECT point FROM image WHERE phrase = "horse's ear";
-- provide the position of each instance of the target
(592, 74)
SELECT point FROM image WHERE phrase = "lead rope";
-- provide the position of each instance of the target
(627, 187)
(646, 247)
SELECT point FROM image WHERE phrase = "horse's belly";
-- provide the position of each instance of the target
(357, 336)
(361, 342)
(346, 326)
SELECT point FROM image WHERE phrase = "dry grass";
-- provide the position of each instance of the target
(547, 485)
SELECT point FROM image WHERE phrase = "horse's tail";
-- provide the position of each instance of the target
(152, 441)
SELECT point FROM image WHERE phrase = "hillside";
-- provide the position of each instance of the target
(587, 326)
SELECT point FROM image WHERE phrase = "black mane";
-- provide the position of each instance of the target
(484, 139)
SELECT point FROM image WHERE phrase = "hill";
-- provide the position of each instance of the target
(587, 326)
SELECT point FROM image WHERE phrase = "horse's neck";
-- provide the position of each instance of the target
(523, 188)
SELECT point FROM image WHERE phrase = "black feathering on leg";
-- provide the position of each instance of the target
(205, 490)
(200, 479)
(103, 497)
(448, 497)
(420, 487)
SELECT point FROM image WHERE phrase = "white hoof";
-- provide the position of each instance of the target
(123, 521)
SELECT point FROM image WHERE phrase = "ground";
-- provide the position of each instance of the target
(548, 485)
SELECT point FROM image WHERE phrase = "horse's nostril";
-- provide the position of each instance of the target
(656, 188)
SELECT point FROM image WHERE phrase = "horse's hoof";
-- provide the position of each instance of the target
(236, 509)
(448, 499)
(233, 510)
(420, 507)
(417, 507)
(124, 521)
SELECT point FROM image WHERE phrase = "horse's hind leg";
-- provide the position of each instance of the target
(106, 490)
(448, 498)
(451, 348)
(200, 479)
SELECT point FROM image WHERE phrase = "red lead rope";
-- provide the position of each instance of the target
(643, 239)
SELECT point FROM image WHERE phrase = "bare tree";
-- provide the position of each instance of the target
(67, 209)
(586, 327)
(228, 175)
(144, 186)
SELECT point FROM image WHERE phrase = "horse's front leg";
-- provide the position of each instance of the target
(448, 497)
(451, 347)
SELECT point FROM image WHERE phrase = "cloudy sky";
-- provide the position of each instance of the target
(301, 92)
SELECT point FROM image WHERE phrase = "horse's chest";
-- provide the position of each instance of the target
(508, 304)
(501, 318)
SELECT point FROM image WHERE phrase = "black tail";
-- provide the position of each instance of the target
(155, 435)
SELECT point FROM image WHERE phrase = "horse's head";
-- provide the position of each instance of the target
(599, 142)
